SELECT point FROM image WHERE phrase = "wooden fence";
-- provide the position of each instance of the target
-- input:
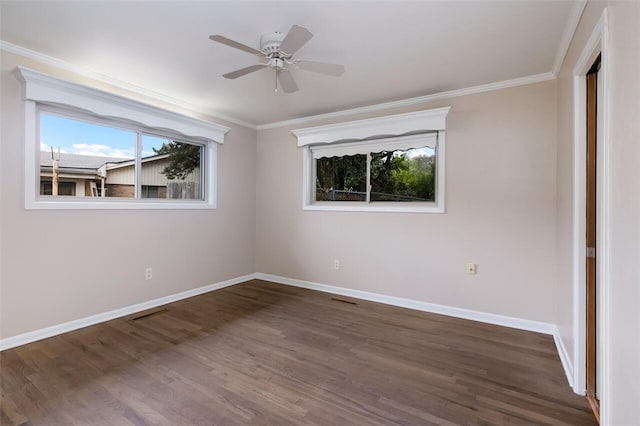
(184, 190)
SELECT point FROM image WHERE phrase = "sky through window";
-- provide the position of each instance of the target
(73, 136)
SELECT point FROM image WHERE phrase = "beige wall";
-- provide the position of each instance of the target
(59, 266)
(622, 336)
(624, 284)
(500, 214)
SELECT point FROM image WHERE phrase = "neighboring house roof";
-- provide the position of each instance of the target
(130, 162)
(76, 161)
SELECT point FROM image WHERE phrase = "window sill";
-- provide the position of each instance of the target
(375, 207)
(45, 204)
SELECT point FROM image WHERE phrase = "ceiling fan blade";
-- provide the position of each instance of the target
(287, 82)
(235, 44)
(321, 67)
(296, 38)
(244, 71)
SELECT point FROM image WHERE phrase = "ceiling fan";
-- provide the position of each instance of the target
(277, 53)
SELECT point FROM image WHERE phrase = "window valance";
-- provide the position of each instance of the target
(45, 89)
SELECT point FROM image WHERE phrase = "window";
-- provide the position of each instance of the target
(151, 191)
(87, 149)
(342, 178)
(357, 166)
(400, 170)
(404, 175)
(170, 169)
(126, 163)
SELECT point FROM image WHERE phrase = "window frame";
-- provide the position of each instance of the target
(375, 132)
(56, 96)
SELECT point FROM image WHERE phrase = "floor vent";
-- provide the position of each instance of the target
(344, 301)
(150, 314)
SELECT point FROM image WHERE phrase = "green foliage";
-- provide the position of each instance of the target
(183, 159)
(394, 176)
(343, 173)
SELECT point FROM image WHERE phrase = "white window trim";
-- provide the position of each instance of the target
(360, 131)
(42, 89)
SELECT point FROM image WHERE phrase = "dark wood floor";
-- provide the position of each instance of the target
(263, 353)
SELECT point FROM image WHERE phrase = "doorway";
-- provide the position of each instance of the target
(593, 323)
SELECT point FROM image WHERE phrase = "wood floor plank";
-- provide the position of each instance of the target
(260, 353)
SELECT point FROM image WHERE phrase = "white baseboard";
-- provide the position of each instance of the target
(32, 336)
(522, 324)
(567, 364)
(506, 321)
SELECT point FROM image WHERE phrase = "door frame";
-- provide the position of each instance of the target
(596, 45)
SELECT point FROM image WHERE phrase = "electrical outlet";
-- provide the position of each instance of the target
(148, 273)
(471, 268)
(336, 264)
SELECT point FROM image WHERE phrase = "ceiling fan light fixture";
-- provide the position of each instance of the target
(276, 63)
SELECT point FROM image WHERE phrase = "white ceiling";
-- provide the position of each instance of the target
(391, 50)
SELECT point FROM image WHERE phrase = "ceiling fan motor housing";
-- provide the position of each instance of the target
(272, 56)
(270, 43)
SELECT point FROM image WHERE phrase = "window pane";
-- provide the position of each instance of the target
(76, 158)
(171, 169)
(341, 178)
(403, 175)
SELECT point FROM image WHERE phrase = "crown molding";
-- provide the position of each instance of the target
(413, 101)
(567, 36)
(536, 78)
(59, 63)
